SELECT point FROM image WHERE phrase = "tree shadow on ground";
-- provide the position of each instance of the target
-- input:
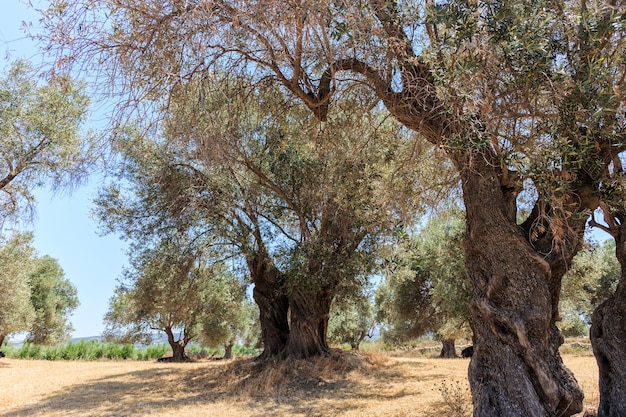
(297, 387)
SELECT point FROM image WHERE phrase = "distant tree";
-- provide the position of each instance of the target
(16, 263)
(610, 273)
(41, 138)
(590, 281)
(226, 313)
(352, 318)
(428, 289)
(54, 298)
(169, 288)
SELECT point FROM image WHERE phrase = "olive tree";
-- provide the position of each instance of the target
(36, 296)
(167, 289)
(427, 289)
(302, 206)
(41, 139)
(54, 298)
(16, 310)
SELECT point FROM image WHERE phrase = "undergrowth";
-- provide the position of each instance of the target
(457, 398)
(86, 350)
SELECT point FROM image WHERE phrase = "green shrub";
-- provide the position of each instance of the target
(244, 350)
(29, 351)
(112, 351)
(128, 351)
(52, 353)
(155, 351)
(89, 350)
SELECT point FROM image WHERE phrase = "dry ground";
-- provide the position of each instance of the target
(375, 385)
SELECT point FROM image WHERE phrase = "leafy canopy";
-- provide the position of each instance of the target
(41, 138)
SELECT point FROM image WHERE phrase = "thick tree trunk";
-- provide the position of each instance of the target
(228, 351)
(448, 349)
(516, 369)
(2, 337)
(356, 342)
(309, 323)
(178, 352)
(273, 305)
(273, 316)
(178, 346)
(608, 338)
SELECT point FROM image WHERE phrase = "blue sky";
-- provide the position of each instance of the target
(63, 228)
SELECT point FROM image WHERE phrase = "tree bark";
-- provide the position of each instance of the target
(608, 339)
(309, 323)
(273, 305)
(516, 369)
(448, 349)
(228, 350)
(356, 341)
(2, 337)
(178, 346)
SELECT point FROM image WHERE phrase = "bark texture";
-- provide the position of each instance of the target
(178, 346)
(448, 349)
(516, 369)
(608, 338)
(309, 323)
(228, 351)
(273, 304)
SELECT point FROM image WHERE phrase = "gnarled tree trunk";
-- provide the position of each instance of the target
(273, 316)
(448, 349)
(273, 305)
(309, 323)
(516, 369)
(178, 346)
(608, 338)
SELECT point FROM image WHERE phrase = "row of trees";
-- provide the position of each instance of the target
(425, 290)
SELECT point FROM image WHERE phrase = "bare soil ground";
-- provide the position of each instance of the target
(370, 385)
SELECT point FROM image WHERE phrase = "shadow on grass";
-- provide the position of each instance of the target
(297, 387)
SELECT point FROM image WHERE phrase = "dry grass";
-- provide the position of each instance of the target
(351, 385)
